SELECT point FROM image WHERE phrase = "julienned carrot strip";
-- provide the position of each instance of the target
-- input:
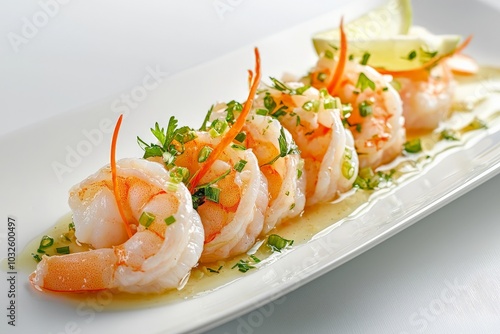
(250, 78)
(114, 178)
(233, 131)
(339, 69)
(421, 71)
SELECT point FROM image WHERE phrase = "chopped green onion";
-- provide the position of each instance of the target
(307, 106)
(347, 169)
(243, 266)
(179, 174)
(366, 56)
(238, 147)
(255, 258)
(321, 76)
(204, 153)
(269, 102)
(292, 206)
(448, 134)
(329, 54)
(277, 243)
(364, 82)
(240, 165)
(365, 108)
(46, 242)
(62, 250)
(280, 112)
(169, 220)
(218, 127)
(301, 90)
(412, 55)
(385, 89)
(71, 226)
(413, 146)
(329, 103)
(262, 112)
(36, 257)
(240, 137)
(217, 271)
(146, 219)
(207, 118)
(212, 194)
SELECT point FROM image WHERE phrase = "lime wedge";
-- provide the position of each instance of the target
(385, 35)
(394, 18)
(404, 52)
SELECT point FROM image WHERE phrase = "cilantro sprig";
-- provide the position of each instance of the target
(171, 141)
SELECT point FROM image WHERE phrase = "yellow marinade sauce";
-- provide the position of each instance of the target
(206, 278)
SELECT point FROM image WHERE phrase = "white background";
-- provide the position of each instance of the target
(91, 50)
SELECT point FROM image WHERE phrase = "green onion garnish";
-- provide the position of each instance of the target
(262, 112)
(170, 220)
(46, 242)
(36, 257)
(212, 194)
(62, 250)
(204, 153)
(240, 165)
(238, 147)
(364, 82)
(179, 174)
(412, 55)
(243, 266)
(146, 219)
(217, 271)
(448, 134)
(366, 56)
(413, 146)
(365, 108)
(240, 137)
(277, 243)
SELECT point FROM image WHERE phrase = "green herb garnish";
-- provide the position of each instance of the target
(169, 220)
(277, 243)
(240, 165)
(364, 82)
(243, 266)
(62, 250)
(413, 146)
(366, 56)
(448, 134)
(146, 219)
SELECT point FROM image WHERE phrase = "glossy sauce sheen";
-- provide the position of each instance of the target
(301, 229)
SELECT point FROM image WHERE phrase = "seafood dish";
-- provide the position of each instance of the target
(203, 196)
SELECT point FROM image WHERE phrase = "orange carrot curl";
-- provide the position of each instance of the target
(114, 178)
(233, 131)
(339, 69)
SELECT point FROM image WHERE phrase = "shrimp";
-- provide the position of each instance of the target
(229, 190)
(279, 161)
(313, 119)
(427, 101)
(376, 119)
(231, 198)
(159, 255)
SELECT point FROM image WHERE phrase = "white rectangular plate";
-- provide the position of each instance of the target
(41, 162)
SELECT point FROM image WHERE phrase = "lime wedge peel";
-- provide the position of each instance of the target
(394, 18)
(386, 35)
